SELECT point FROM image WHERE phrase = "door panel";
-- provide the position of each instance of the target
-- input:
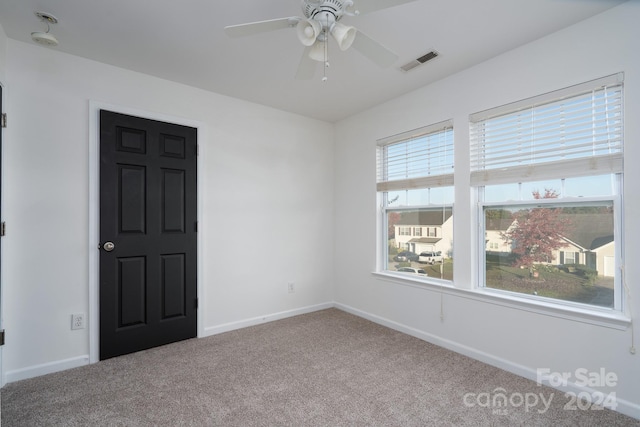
(132, 199)
(132, 291)
(173, 201)
(173, 286)
(148, 211)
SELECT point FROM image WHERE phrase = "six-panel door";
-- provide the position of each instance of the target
(147, 233)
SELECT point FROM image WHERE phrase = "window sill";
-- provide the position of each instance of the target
(421, 282)
(600, 317)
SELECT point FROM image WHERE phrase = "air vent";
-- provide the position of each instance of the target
(419, 61)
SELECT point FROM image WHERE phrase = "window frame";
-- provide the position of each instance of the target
(381, 267)
(615, 200)
(429, 180)
(404, 230)
(572, 258)
(617, 318)
(483, 171)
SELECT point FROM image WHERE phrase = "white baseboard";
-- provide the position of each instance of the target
(232, 326)
(46, 368)
(623, 406)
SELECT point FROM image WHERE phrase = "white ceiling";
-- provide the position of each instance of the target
(184, 41)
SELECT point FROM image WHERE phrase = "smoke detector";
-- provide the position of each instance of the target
(45, 38)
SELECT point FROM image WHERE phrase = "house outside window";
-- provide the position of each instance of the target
(568, 257)
(548, 175)
(415, 190)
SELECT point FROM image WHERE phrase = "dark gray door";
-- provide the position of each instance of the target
(148, 254)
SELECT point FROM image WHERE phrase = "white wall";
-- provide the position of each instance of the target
(267, 203)
(3, 54)
(517, 340)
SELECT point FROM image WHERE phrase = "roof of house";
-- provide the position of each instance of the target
(590, 230)
(498, 224)
(428, 240)
(425, 217)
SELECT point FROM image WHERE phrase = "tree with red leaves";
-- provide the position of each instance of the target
(392, 220)
(537, 232)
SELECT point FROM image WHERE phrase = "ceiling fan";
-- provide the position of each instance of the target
(321, 20)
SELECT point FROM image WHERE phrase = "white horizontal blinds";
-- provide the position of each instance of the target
(573, 132)
(422, 158)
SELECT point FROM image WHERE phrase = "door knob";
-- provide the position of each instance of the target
(108, 246)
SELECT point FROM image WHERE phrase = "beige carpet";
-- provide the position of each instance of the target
(327, 368)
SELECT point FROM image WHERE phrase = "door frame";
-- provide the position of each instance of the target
(94, 214)
(3, 142)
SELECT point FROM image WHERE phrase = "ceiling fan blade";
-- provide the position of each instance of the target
(366, 6)
(307, 66)
(374, 50)
(251, 28)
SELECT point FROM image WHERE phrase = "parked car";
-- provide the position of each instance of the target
(406, 256)
(430, 257)
(412, 270)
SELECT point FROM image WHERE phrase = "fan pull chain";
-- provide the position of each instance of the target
(326, 52)
(326, 61)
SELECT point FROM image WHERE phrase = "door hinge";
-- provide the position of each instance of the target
(195, 303)
(3, 120)
(3, 229)
(2, 337)
(195, 226)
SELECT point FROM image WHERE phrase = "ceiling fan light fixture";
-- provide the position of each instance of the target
(321, 19)
(344, 35)
(308, 31)
(317, 51)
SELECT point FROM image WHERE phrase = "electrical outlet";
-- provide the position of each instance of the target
(77, 321)
(291, 287)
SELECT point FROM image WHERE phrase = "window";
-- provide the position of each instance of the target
(415, 187)
(548, 172)
(557, 250)
(568, 257)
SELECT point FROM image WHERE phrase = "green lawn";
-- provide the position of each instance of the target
(446, 273)
(551, 282)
